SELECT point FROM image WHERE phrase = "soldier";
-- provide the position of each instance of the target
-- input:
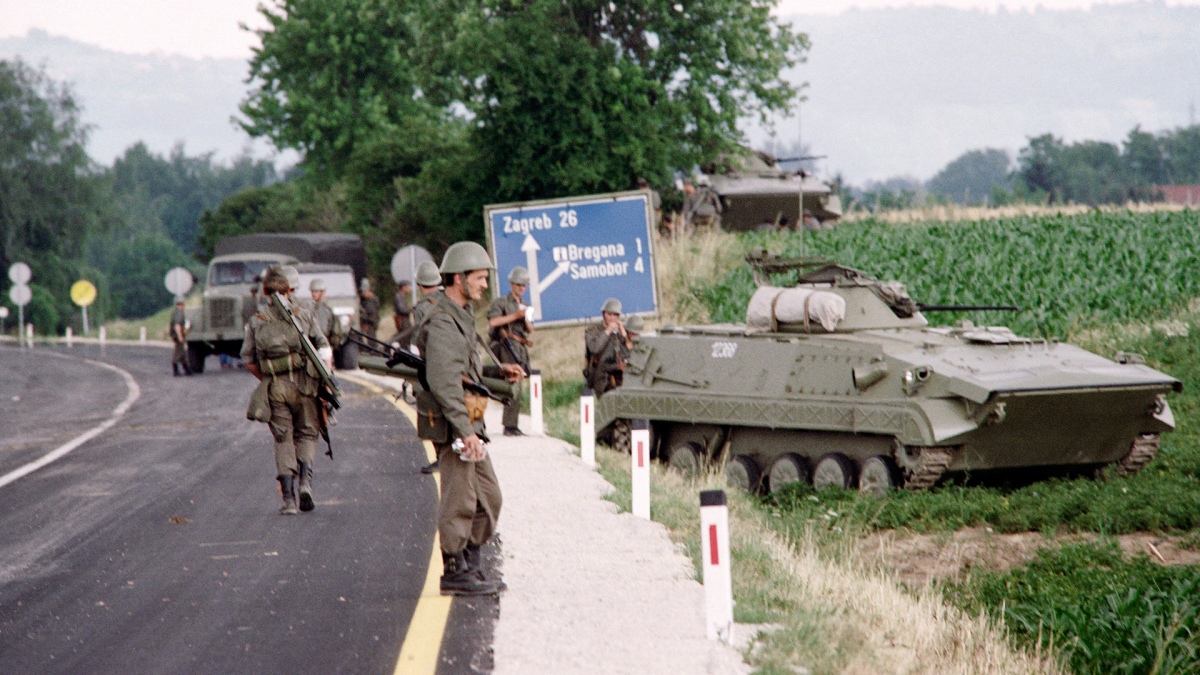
(272, 349)
(509, 334)
(369, 320)
(702, 208)
(428, 279)
(327, 321)
(452, 419)
(179, 330)
(607, 345)
(402, 307)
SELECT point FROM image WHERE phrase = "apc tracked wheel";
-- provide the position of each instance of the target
(834, 470)
(878, 475)
(742, 473)
(787, 470)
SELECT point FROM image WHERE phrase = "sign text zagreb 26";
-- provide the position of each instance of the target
(579, 252)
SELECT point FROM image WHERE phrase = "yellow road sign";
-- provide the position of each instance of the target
(83, 293)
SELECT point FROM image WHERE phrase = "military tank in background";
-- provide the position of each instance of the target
(841, 381)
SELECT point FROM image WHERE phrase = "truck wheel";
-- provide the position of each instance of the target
(834, 470)
(742, 472)
(196, 354)
(619, 434)
(878, 475)
(348, 357)
(789, 469)
(686, 459)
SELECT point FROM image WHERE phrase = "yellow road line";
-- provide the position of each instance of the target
(423, 641)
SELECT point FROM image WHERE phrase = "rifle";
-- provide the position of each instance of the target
(403, 363)
(328, 390)
(505, 340)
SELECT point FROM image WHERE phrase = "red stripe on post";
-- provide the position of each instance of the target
(714, 557)
(535, 389)
(641, 459)
(586, 409)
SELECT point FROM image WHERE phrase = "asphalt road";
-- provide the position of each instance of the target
(157, 546)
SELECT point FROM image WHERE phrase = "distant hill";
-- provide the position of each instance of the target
(893, 92)
(905, 91)
(161, 99)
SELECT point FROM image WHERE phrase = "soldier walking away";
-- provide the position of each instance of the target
(272, 350)
(509, 335)
(606, 348)
(402, 307)
(702, 208)
(326, 320)
(452, 419)
(179, 330)
(370, 308)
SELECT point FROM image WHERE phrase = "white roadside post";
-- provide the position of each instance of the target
(535, 403)
(142, 334)
(70, 337)
(640, 460)
(587, 427)
(714, 552)
(29, 335)
(103, 335)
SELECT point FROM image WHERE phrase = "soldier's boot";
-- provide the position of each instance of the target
(287, 485)
(306, 493)
(474, 557)
(430, 467)
(175, 369)
(459, 579)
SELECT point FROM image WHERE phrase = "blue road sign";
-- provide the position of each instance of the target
(579, 252)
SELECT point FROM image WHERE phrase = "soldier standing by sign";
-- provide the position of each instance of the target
(370, 308)
(607, 346)
(326, 320)
(402, 307)
(273, 352)
(510, 341)
(452, 419)
(428, 279)
(179, 330)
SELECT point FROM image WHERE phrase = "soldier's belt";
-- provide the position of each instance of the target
(283, 364)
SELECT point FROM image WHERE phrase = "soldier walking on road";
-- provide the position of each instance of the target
(452, 419)
(606, 348)
(179, 330)
(272, 349)
(369, 320)
(509, 335)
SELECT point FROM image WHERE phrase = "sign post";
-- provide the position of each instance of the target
(20, 274)
(3, 316)
(83, 293)
(579, 252)
(404, 266)
(179, 281)
(714, 552)
(640, 460)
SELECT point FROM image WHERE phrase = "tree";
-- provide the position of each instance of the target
(283, 207)
(50, 200)
(969, 179)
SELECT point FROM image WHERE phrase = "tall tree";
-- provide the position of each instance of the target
(971, 177)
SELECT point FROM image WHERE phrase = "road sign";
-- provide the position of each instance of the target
(405, 262)
(3, 312)
(579, 252)
(20, 295)
(83, 293)
(179, 281)
(20, 274)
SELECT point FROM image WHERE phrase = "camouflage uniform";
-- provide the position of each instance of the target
(511, 350)
(273, 344)
(471, 500)
(605, 357)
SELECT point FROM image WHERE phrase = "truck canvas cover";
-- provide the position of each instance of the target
(316, 247)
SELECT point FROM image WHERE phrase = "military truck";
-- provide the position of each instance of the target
(841, 381)
(341, 294)
(217, 326)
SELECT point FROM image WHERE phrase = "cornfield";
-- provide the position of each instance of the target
(1065, 271)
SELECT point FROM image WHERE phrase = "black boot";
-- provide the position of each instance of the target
(459, 579)
(175, 369)
(474, 557)
(287, 485)
(430, 467)
(306, 496)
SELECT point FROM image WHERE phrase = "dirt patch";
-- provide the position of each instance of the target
(919, 559)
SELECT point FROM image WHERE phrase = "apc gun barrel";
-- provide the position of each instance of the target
(966, 308)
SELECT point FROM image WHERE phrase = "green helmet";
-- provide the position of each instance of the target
(364, 285)
(292, 275)
(465, 256)
(519, 275)
(612, 306)
(634, 324)
(427, 274)
(317, 284)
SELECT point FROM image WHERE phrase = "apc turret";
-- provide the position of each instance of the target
(840, 381)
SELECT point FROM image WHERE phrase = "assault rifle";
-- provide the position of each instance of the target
(403, 363)
(327, 390)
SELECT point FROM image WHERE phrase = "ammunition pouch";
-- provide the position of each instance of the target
(283, 364)
(259, 409)
(431, 423)
(476, 406)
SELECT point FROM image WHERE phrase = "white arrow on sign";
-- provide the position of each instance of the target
(558, 272)
(530, 247)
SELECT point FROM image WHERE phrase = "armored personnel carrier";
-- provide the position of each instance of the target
(841, 381)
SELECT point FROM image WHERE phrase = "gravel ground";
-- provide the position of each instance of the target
(590, 590)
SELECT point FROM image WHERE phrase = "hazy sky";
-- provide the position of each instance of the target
(210, 27)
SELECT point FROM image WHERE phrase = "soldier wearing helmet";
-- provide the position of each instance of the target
(606, 348)
(402, 307)
(179, 331)
(327, 321)
(452, 419)
(272, 351)
(509, 329)
(369, 319)
(428, 279)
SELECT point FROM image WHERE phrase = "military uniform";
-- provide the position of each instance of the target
(510, 348)
(274, 346)
(471, 499)
(328, 324)
(605, 357)
(402, 317)
(178, 328)
(419, 312)
(370, 314)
